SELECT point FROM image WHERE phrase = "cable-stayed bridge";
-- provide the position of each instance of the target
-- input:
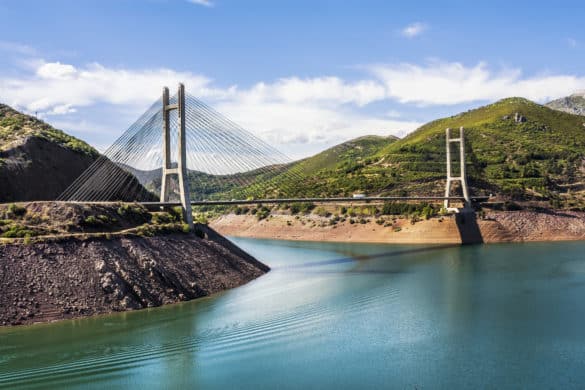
(183, 152)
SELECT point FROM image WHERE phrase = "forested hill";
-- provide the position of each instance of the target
(515, 148)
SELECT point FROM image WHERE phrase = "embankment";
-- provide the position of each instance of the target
(504, 226)
(46, 281)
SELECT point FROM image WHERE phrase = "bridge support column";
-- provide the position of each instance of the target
(462, 178)
(181, 169)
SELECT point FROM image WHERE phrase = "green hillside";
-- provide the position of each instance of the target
(15, 127)
(37, 161)
(539, 157)
(331, 172)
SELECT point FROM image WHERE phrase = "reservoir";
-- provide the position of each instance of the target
(332, 315)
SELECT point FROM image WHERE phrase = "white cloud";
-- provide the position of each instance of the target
(93, 84)
(414, 30)
(56, 70)
(289, 111)
(444, 83)
(320, 89)
(301, 123)
(205, 3)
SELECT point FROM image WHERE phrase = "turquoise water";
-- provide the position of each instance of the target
(337, 316)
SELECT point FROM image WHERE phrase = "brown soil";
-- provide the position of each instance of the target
(57, 280)
(505, 226)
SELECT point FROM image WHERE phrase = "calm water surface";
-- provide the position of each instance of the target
(337, 316)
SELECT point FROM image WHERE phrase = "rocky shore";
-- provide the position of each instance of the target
(47, 281)
(491, 227)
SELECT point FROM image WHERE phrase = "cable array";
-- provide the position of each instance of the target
(223, 160)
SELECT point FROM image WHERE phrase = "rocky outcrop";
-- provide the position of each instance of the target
(574, 104)
(57, 280)
(37, 161)
(39, 169)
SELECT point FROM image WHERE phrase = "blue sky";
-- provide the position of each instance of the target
(302, 75)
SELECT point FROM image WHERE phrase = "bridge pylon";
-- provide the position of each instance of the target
(181, 169)
(462, 178)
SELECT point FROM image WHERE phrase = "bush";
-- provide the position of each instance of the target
(303, 207)
(92, 221)
(262, 213)
(15, 210)
(162, 217)
(322, 212)
(134, 212)
(17, 231)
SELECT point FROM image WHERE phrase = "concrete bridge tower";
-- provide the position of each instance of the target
(181, 169)
(462, 178)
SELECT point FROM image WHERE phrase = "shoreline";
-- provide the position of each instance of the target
(494, 227)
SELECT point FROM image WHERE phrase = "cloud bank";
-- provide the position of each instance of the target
(287, 111)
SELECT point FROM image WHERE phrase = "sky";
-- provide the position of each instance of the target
(301, 75)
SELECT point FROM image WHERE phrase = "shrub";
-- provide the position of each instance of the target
(15, 210)
(17, 231)
(322, 212)
(134, 212)
(160, 218)
(92, 221)
(262, 213)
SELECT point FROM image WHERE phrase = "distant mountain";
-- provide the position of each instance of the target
(574, 104)
(37, 161)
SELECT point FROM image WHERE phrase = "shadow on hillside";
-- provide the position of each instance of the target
(468, 228)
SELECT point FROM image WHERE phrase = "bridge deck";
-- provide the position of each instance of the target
(153, 205)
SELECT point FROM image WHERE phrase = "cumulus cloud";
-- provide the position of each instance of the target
(449, 83)
(56, 70)
(287, 111)
(301, 123)
(321, 89)
(93, 84)
(414, 30)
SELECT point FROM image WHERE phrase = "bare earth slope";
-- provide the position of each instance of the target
(500, 226)
(56, 280)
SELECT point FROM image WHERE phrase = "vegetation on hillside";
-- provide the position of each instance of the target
(333, 172)
(49, 220)
(15, 126)
(515, 148)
